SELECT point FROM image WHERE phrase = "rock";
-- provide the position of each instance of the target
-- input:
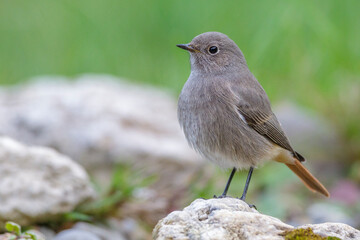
(231, 218)
(7, 236)
(107, 230)
(96, 119)
(77, 234)
(340, 230)
(38, 184)
(129, 228)
(226, 218)
(48, 233)
(13, 236)
(102, 232)
(99, 120)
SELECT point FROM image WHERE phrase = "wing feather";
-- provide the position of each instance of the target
(256, 110)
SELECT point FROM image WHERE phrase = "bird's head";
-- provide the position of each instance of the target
(213, 52)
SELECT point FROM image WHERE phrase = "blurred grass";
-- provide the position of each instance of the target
(302, 50)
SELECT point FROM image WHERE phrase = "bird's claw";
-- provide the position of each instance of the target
(221, 196)
(250, 205)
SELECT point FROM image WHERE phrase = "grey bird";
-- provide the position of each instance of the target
(226, 115)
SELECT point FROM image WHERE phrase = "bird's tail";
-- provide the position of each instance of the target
(308, 179)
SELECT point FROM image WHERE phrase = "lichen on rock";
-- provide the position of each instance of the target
(305, 234)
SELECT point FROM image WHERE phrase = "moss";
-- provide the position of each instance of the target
(305, 234)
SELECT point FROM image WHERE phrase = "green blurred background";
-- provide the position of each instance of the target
(306, 51)
(303, 51)
(295, 48)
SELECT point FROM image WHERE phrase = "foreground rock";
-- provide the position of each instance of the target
(38, 184)
(231, 218)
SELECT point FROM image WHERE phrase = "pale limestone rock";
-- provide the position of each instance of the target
(340, 230)
(226, 218)
(38, 184)
(230, 219)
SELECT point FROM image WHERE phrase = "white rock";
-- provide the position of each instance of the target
(96, 119)
(231, 218)
(226, 218)
(77, 234)
(99, 120)
(340, 230)
(38, 184)
(101, 232)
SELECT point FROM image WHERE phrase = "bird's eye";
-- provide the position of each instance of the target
(213, 50)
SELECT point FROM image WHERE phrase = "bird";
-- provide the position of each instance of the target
(226, 115)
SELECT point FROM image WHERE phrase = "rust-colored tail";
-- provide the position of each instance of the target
(309, 180)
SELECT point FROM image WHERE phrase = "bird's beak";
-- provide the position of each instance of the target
(188, 47)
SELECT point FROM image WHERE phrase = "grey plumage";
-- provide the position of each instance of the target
(224, 111)
(215, 102)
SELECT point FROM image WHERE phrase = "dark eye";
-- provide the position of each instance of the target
(213, 49)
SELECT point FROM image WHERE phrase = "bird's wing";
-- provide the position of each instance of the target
(254, 107)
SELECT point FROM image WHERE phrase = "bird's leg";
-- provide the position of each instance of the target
(227, 184)
(247, 186)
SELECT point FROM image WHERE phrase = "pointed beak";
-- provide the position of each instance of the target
(187, 47)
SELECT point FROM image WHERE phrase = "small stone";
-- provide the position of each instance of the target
(47, 232)
(129, 228)
(103, 232)
(76, 234)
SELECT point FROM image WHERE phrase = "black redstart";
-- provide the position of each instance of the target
(226, 115)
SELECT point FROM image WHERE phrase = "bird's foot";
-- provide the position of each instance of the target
(250, 205)
(221, 196)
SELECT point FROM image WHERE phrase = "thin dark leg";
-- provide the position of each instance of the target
(247, 183)
(228, 182)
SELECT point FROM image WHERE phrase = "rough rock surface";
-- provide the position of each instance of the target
(38, 183)
(340, 230)
(231, 218)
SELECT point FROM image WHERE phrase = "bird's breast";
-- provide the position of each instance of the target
(213, 127)
(207, 120)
